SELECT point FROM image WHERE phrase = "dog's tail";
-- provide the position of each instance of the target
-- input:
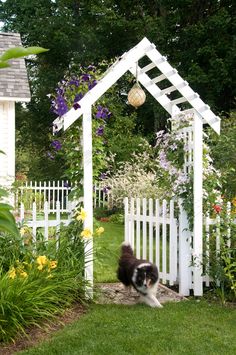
(126, 248)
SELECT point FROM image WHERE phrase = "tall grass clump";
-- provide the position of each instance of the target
(39, 280)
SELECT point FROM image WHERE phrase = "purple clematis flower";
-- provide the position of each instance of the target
(100, 131)
(78, 97)
(76, 105)
(106, 189)
(50, 156)
(91, 85)
(91, 68)
(103, 176)
(56, 145)
(61, 105)
(85, 77)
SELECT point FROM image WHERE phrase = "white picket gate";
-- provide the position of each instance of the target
(152, 230)
(159, 232)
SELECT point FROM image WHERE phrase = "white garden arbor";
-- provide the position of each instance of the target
(154, 85)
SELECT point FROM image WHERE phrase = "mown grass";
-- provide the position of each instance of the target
(107, 251)
(188, 327)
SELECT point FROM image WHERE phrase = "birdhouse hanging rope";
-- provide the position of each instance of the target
(136, 95)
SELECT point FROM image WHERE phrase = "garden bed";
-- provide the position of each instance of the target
(37, 335)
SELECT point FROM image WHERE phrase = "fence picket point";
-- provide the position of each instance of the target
(150, 206)
(22, 212)
(228, 211)
(127, 235)
(157, 223)
(164, 241)
(138, 228)
(58, 222)
(131, 223)
(144, 237)
(207, 249)
(172, 246)
(34, 222)
(46, 221)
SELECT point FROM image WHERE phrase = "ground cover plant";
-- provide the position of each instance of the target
(189, 327)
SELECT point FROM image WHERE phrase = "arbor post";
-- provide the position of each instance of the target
(197, 204)
(88, 196)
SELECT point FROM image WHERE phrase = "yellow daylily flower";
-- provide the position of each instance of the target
(53, 264)
(82, 215)
(99, 231)
(23, 274)
(234, 201)
(42, 260)
(86, 233)
(22, 231)
(40, 267)
(12, 273)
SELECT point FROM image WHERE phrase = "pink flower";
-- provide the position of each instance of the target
(217, 208)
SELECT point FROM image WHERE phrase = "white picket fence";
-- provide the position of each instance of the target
(40, 192)
(212, 227)
(36, 219)
(53, 191)
(159, 232)
(102, 196)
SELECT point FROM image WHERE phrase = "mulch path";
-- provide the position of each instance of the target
(107, 293)
(116, 293)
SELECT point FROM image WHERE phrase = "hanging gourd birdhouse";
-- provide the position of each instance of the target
(136, 96)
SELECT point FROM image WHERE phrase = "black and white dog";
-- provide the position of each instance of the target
(140, 274)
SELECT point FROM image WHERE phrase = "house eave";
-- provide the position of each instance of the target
(15, 99)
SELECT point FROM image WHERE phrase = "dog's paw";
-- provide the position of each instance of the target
(154, 305)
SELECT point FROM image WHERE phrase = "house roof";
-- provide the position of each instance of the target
(14, 85)
(154, 85)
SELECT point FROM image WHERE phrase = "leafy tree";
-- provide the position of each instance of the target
(223, 153)
(198, 38)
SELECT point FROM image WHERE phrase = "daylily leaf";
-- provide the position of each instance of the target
(9, 227)
(18, 52)
(3, 193)
(5, 206)
(7, 216)
(4, 64)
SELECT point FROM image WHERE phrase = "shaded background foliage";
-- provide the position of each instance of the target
(197, 37)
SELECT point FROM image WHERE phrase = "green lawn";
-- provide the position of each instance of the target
(183, 328)
(106, 252)
(190, 327)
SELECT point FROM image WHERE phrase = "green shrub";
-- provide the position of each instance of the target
(220, 262)
(38, 281)
(27, 300)
(117, 218)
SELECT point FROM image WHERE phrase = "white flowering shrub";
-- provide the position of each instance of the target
(159, 173)
(135, 178)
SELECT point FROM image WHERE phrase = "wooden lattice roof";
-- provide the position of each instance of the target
(162, 93)
(14, 85)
